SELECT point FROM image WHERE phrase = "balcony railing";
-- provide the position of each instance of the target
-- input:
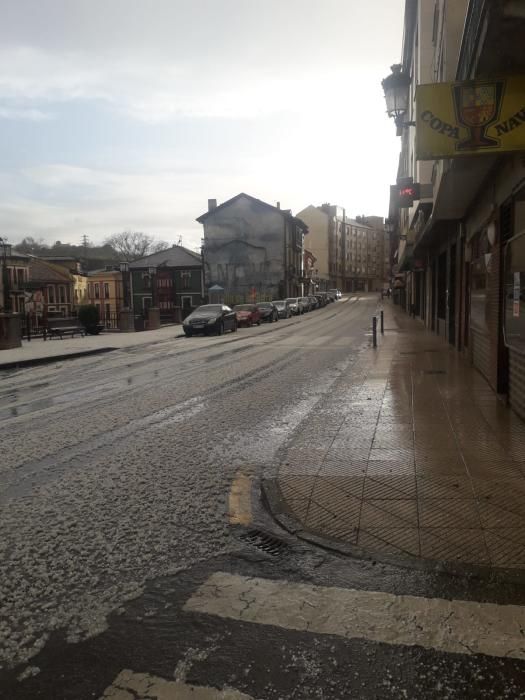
(473, 37)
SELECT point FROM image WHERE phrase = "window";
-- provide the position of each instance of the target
(62, 294)
(20, 276)
(97, 290)
(146, 281)
(90, 290)
(106, 290)
(51, 295)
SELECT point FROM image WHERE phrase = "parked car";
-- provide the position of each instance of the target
(314, 301)
(295, 306)
(247, 314)
(210, 318)
(335, 292)
(305, 301)
(268, 311)
(283, 308)
(323, 298)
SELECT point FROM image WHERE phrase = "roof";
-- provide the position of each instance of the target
(19, 256)
(43, 271)
(176, 256)
(103, 271)
(286, 213)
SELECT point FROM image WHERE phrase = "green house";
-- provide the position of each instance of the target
(171, 280)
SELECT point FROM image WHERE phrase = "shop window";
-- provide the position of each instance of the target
(515, 292)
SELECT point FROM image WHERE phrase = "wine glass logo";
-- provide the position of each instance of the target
(477, 107)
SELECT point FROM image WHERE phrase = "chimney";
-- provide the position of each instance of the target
(212, 204)
(278, 205)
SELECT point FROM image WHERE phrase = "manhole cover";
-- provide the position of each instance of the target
(434, 371)
(261, 540)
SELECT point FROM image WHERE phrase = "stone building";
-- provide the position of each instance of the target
(254, 250)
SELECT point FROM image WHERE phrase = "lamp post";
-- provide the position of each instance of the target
(5, 276)
(396, 87)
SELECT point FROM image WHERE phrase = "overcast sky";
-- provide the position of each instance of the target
(130, 114)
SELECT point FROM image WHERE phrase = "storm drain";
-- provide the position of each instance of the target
(261, 540)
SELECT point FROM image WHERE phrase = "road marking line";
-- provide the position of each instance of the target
(458, 626)
(128, 685)
(240, 501)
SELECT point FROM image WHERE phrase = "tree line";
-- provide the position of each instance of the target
(126, 246)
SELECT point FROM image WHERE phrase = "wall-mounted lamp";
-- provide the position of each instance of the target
(396, 87)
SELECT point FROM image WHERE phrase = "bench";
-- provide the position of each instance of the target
(58, 328)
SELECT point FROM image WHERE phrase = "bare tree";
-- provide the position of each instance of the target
(31, 245)
(133, 245)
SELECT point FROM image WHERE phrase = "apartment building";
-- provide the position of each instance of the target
(351, 254)
(461, 254)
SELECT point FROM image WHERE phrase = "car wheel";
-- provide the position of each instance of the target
(220, 329)
(188, 334)
(259, 323)
(234, 328)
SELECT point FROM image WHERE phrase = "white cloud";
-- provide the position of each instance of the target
(282, 99)
(29, 114)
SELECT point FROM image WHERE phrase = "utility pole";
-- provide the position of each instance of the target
(85, 244)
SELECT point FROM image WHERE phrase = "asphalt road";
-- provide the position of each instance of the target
(129, 481)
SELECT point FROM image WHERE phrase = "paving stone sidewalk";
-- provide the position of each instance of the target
(412, 454)
(38, 350)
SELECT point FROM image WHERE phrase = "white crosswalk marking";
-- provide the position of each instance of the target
(128, 685)
(459, 626)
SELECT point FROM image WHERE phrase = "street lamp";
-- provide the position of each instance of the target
(5, 275)
(397, 94)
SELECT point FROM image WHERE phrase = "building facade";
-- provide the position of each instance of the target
(13, 280)
(105, 291)
(51, 288)
(253, 250)
(352, 254)
(171, 280)
(463, 260)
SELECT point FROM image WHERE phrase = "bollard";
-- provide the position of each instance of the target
(374, 331)
(382, 322)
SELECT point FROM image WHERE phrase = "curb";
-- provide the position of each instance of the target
(31, 362)
(277, 508)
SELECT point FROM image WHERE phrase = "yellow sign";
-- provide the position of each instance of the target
(471, 118)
